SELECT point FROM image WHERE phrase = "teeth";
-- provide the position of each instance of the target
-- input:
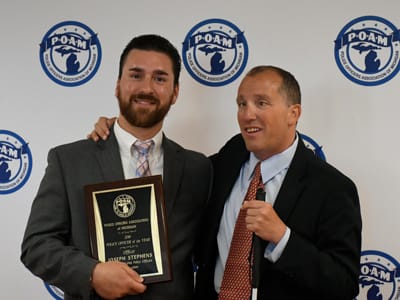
(251, 130)
(144, 101)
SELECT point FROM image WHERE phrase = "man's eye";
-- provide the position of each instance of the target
(160, 79)
(135, 76)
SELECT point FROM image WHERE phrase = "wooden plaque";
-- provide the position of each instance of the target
(127, 223)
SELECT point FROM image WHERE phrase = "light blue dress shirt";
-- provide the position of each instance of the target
(273, 171)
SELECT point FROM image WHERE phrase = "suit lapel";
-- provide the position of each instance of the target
(173, 172)
(110, 164)
(229, 160)
(227, 164)
(109, 159)
(293, 183)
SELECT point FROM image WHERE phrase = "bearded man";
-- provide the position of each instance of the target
(56, 244)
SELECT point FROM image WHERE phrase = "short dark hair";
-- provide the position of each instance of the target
(153, 42)
(289, 85)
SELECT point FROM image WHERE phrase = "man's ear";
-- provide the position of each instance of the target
(294, 114)
(175, 94)
(116, 92)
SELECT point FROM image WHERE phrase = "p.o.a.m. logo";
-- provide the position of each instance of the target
(70, 53)
(124, 206)
(367, 50)
(54, 291)
(313, 145)
(379, 277)
(215, 52)
(15, 162)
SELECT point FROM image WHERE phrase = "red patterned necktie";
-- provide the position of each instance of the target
(142, 165)
(236, 282)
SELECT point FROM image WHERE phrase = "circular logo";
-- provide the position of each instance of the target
(54, 291)
(311, 144)
(15, 162)
(367, 50)
(124, 206)
(215, 52)
(379, 277)
(70, 53)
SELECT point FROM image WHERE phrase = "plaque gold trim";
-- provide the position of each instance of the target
(127, 223)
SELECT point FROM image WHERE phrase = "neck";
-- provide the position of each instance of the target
(284, 146)
(142, 133)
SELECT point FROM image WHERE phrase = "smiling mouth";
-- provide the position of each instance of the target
(144, 101)
(252, 129)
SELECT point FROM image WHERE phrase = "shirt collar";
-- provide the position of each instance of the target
(126, 140)
(273, 165)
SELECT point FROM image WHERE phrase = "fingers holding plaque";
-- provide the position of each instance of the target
(127, 223)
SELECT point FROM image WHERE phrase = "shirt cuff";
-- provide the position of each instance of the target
(274, 251)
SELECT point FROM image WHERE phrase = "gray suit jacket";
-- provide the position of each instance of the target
(56, 246)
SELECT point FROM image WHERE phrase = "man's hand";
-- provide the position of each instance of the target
(101, 129)
(263, 220)
(112, 280)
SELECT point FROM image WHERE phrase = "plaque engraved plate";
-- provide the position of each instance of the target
(127, 223)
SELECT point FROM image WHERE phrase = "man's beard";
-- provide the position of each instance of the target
(144, 117)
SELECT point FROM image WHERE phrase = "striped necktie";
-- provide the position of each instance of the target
(142, 148)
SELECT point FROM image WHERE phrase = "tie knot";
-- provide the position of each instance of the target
(143, 147)
(257, 175)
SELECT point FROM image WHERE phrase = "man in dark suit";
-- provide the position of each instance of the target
(308, 228)
(56, 246)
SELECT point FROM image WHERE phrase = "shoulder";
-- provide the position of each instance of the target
(76, 147)
(235, 143)
(82, 151)
(321, 171)
(234, 150)
(171, 146)
(87, 146)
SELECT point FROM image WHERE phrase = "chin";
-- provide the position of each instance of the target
(251, 146)
(260, 152)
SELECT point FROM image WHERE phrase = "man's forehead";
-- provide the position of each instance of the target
(138, 54)
(148, 60)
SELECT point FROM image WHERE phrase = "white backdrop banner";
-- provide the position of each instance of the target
(59, 64)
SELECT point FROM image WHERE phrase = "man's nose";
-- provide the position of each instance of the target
(249, 112)
(147, 84)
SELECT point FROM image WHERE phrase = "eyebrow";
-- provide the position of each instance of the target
(161, 72)
(158, 72)
(135, 69)
(254, 96)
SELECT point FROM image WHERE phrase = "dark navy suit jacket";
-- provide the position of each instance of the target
(321, 207)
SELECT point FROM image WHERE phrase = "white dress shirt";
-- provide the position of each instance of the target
(129, 157)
